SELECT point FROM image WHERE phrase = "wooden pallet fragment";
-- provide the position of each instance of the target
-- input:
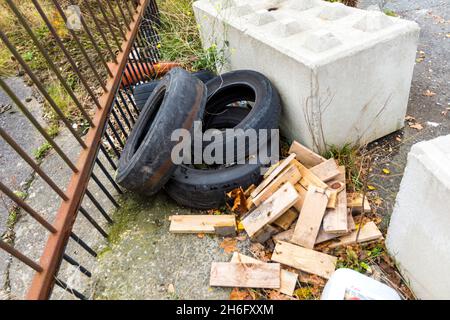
(306, 156)
(245, 275)
(221, 224)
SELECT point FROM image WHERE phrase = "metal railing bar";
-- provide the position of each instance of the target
(32, 164)
(111, 144)
(110, 27)
(108, 176)
(93, 222)
(52, 66)
(42, 89)
(122, 13)
(83, 244)
(17, 254)
(66, 53)
(119, 123)
(36, 124)
(99, 29)
(129, 80)
(21, 203)
(105, 191)
(125, 104)
(43, 282)
(73, 262)
(139, 66)
(133, 104)
(83, 51)
(99, 207)
(108, 157)
(129, 10)
(116, 135)
(134, 75)
(94, 43)
(124, 116)
(64, 286)
(119, 26)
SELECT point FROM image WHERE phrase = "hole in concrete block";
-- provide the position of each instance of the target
(321, 41)
(334, 11)
(373, 22)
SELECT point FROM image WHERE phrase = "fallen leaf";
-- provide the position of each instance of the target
(277, 295)
(416, 126)
(240, 226)
(237, 294)
(200, 235)
(240, 201)
(371, 187)
(398, 139)
(229, 245)
(429, 93)
(410, 118)
(386, 171)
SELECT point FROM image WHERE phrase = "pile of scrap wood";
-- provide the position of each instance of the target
(302, 202)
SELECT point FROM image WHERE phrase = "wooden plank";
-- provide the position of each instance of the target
(306, 156)
(325, 236)
(302, 194)
(283, 164)
(245, 275)
(332, 199)
(201, 223)
(304, 259)
(368, 232)
(286, 219)
(354, 201)
(310, 218)
(335, 220)
(288, 279)
(290, 174)
(309, 178)
(285, 235)
(326, 170)
(271, 209)
(264, 234)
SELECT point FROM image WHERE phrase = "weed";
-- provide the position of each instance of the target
(350, 157)
(390, 13)
(42, 151)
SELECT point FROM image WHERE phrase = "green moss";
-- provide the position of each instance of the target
(42, 151)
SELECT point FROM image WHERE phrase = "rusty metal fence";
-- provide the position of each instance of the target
(123, 37)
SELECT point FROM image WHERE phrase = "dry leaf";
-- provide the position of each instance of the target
(429, 93)
(416, 126)
(277, 295)
(237, 294)
(371, 187)
(410, 118)
(229, 245)
(386, 171)
(200, 235)
(258, 250)
(240, 201)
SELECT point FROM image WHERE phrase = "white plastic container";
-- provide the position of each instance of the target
(347, 284)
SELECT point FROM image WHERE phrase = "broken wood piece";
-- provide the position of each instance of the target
(368, 232)
(288, 279)
(203, 224)
(325, 236)
(290, 174)
(309, 178)
(304, 259)
(286, 219)
(264, 234)
(332, 199)
(284, 236)
(310, 219)
(245, 275)
(336, 186)
(335, 220)
(326, 170)
(271, 209)
(306, 156)
(354, 201)
(283, 164)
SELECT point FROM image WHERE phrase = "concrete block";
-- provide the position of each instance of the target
(419, 232)
(343, 73)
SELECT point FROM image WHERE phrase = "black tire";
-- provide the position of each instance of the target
(205, 189)
(143, 91)
(145, 164)
(249, 86)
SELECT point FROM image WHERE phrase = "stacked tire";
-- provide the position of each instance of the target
(242, 99)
